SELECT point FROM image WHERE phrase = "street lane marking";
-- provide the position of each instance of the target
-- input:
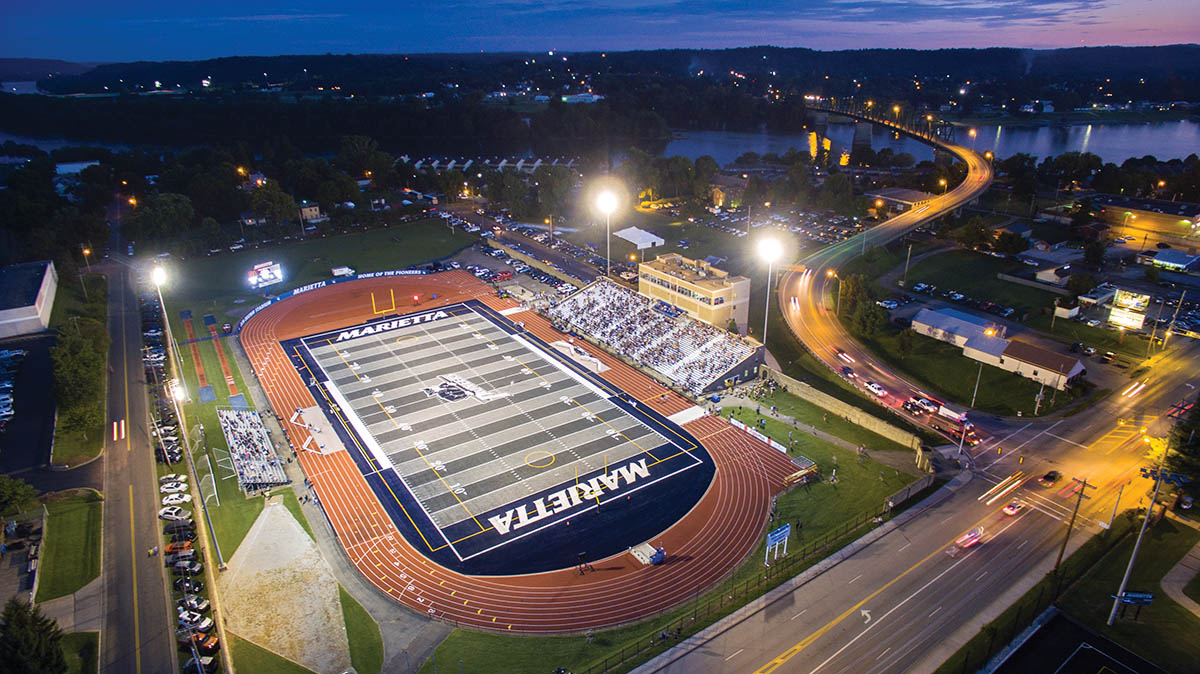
(904, 546)
(854, 579)
(980, 576)
(1018, 447)
(1059, 437)
(797, 615)
(885, 652)
(807, 641)
(137, 638)
(907, 599)
(735, 654)
(935, 611)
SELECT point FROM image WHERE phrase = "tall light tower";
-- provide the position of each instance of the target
(769, 250)
(159, 276)
(607, 203)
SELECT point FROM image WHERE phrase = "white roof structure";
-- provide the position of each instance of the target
(639, 237)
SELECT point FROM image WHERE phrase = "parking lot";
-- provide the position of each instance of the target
(26, 402)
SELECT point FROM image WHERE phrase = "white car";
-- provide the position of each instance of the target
(194, 621)
(172, 477)
(173, 488)
(176, 499)
(193, 603)
(173, 514)
(876, 389)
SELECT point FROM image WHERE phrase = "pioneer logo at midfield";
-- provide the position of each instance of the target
(390, 325)
(566, 499)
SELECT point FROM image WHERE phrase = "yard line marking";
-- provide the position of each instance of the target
(735, 654)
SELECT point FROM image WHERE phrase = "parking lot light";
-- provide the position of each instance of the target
(607, 203)
(769, 250)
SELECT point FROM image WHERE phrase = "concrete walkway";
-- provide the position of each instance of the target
(903, 461)
(78, 612)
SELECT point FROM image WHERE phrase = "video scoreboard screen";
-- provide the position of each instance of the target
(265, 274)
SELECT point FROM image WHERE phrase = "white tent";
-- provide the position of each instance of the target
(640, 238)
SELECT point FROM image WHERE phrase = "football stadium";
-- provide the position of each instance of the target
(485, 468)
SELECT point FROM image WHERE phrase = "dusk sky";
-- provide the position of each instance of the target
(85, 30)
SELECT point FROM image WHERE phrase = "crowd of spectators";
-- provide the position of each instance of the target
(689, 353)
(250, 448)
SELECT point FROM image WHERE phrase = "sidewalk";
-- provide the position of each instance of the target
(1179, 575)
(78, 612)
(891, 459)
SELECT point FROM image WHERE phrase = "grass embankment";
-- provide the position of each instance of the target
(249, 657)
(806, 413)
(71, 547)
(82, 652)
(293, 505)
(1130, 348)
(366, 643)
(823, 516)
(1164, 632)
(75, 445)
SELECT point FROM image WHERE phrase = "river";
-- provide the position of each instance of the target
(1112, 142)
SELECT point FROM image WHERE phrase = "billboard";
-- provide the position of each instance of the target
(1124, 318)
(1125, 299)
(265, 274)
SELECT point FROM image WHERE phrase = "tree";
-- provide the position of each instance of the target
(161, 216)
(272, 203)
(904, 342)
(852, 291)
(13, 492)
(1093, 253)
(1080, 284)
(972, 234)
(1185, 445)
(869, 319)
(76, 363)
(1011, 243)
(30, 643)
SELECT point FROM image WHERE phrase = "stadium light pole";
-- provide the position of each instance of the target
(159, 276)
(769, 250)
(607, 203)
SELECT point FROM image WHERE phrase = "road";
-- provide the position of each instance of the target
(909, 599)
(137, 635)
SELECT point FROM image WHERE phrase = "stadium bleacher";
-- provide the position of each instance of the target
(689, 353)
(250, 449)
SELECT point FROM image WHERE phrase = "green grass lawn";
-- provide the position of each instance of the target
(82, 652)
(824, 512)
(943, 369)
(71, 552)
(1131, 348)
(75, 446)
(974, 275)
(1165, 632)
(807, 413)
(216, 285)
(249, 657)
(366, 643)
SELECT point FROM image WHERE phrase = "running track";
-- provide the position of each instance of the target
(702, 547)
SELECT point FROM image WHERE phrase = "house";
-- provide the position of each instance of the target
(311, 213)
(727, 189)
(899, 198)
(1019, 229)
(1051, 368)
(1055, 276)
(249, 219)
(253, 181)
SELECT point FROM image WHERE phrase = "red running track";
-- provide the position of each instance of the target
(702, 547)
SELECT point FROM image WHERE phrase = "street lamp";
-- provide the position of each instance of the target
(837, 307)
(607, 203)
(942, 182)
(769, 250)
(971, 133)
(86, 254)
(158, 276)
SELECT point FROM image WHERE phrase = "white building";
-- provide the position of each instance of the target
(26, 297)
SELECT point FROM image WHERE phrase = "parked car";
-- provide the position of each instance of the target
(173, 513)
(188, 569)
(173, 488)
(194, 621)
(178, 546)
(188, 585)
(176, 499)
(194, 603)
(172, 477)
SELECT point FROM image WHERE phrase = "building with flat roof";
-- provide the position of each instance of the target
(26, 297)
(955, 327)
(706, 293)
(1169, 258)
(900, 198)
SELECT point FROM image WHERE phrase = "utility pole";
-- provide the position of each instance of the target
(1115, 505)
(1083, 486)
(1158, 479)
(907, 259)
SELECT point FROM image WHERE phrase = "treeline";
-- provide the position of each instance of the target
(37, 223)
(316, 126)
(79, 355)
(1177, 179)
